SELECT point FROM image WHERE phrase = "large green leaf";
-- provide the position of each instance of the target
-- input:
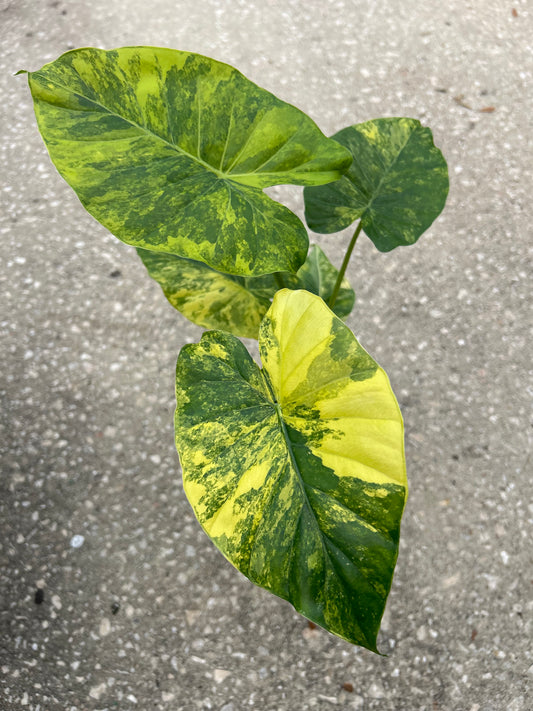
(235, 303)
(297, 471)
(170, 151)
(397, 184)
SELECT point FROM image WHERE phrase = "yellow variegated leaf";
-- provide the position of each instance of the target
(235, 303)
(207, 297)
(171, 151)
(297, 471)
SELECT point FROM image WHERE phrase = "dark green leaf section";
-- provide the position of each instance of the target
(237, 304)
(253, 455)
(170, 151)
(353, 581)
(397, 184)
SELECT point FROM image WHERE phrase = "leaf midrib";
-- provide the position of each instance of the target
(283, 427)
(294, 464)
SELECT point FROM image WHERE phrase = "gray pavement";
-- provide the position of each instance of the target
(139, 610)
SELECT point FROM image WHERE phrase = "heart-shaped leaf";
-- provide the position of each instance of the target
(237, 304)
(170, 151)
(397, 184)
(297, 471)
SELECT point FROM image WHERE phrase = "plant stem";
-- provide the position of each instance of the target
(342, 270)
(279, 280)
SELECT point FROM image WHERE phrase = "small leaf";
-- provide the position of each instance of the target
(318, 275)
(209, 298)
(297, 471)
(237, 304)
(397, 184)
(170, 151)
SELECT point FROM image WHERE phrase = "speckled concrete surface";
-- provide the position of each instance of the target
(139, 610)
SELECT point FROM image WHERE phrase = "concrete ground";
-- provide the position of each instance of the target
(139, 609)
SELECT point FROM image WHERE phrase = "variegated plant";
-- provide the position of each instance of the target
(296, 469)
